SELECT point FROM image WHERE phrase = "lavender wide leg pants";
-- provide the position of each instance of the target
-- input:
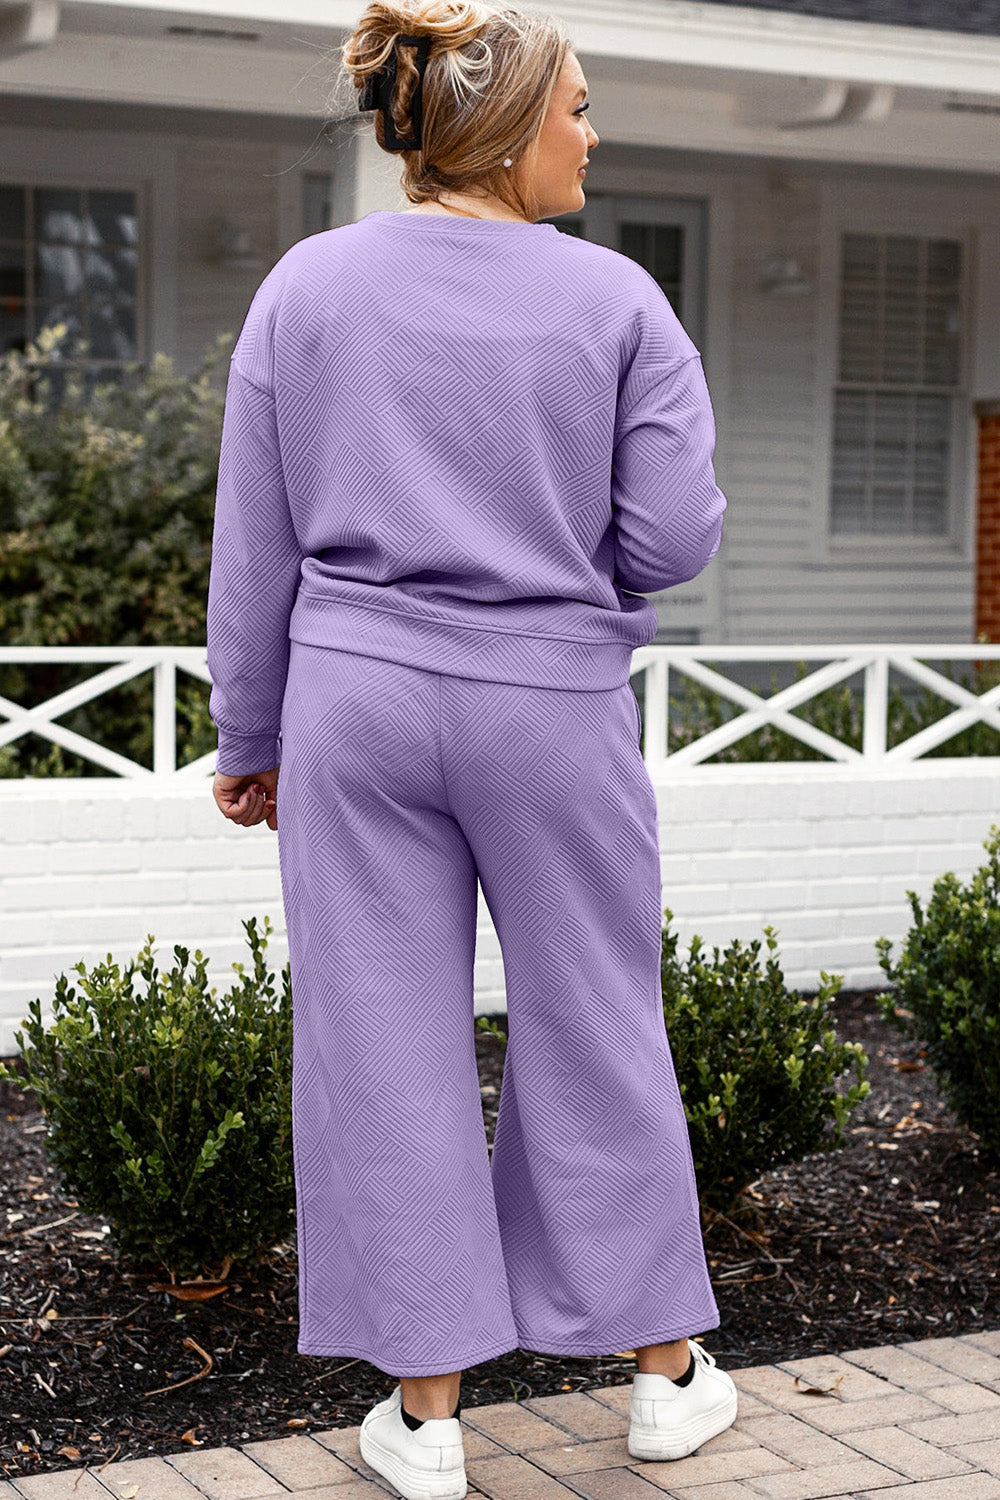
(417, 1253)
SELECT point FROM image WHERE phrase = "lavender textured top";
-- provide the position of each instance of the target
(453, 443)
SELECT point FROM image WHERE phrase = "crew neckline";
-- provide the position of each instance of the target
(453, 221)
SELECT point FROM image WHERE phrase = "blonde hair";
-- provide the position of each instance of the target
(489, 77)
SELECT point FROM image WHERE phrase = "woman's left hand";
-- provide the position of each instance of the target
(248, 799)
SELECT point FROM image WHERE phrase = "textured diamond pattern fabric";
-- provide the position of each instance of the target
(468, 446)
(400, 788)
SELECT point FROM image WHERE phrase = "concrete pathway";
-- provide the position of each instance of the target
(915, 1421)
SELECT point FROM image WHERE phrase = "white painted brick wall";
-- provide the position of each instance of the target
(823, 853)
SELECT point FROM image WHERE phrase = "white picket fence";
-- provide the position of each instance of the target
(659, 666)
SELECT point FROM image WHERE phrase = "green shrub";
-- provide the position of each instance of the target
(756, 1063)
(169, 1111)
(945, 990)
(107, 500)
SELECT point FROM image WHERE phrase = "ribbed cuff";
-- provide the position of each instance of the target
(246, 754)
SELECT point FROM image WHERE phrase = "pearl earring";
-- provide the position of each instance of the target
(507, 161)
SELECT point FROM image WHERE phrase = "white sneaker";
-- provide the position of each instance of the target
(425, 1464)
(671, 1421)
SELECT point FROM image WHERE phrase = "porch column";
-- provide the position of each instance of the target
(988, 522)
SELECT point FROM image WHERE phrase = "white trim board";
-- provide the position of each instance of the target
(733, 37)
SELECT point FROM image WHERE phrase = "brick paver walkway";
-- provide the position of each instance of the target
(915, 1421)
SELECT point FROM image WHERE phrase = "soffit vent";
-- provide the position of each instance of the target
(972, 109)
(217, 33)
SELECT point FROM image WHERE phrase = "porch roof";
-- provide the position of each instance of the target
(762, 78)
(979, 16)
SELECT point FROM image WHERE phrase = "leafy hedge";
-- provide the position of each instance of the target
(107, 501)
(169, 1108)
(945, 990)
(757, 1063)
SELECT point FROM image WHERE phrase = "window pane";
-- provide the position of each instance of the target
(112, 328)
(862, 256)
(12, 213)
(859, 336)
(932, 440)
(13, 329)
(58, 271)
(666, 253)
(80, 262)
(928, 513)
(849, 511)
(59, 215)
(110, 271)
(659, 248)
(902, 258)
(113, 217)
(900, 312)
(944, 261)
(943, 325)
(316, 202)
(901, 335)
(891, 463)
(13, 273)
(889, 510)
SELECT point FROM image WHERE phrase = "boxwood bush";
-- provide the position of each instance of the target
(945, 990)
(757, 1063)
(168, 1108)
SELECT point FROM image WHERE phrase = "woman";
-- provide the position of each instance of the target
(455, 452)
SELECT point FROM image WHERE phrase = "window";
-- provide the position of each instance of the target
(660, 248)
(897, 392)
(568, 226)
(317, 202)
(70, 255)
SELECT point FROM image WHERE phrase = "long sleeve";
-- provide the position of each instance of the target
(666, 504)
(254, 577)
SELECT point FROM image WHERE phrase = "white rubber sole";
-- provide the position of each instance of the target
(411, 1482)
(652, 1444)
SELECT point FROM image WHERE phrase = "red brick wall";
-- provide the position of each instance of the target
(988, 523)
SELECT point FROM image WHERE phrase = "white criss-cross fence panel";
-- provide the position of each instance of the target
(654, 664)
(131, 661)
(874, 663)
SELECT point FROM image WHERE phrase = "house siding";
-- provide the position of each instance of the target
(783, 581)
(769, 432)
(769, 359)
(221, 178)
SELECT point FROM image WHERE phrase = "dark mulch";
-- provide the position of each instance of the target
(894, 1237)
